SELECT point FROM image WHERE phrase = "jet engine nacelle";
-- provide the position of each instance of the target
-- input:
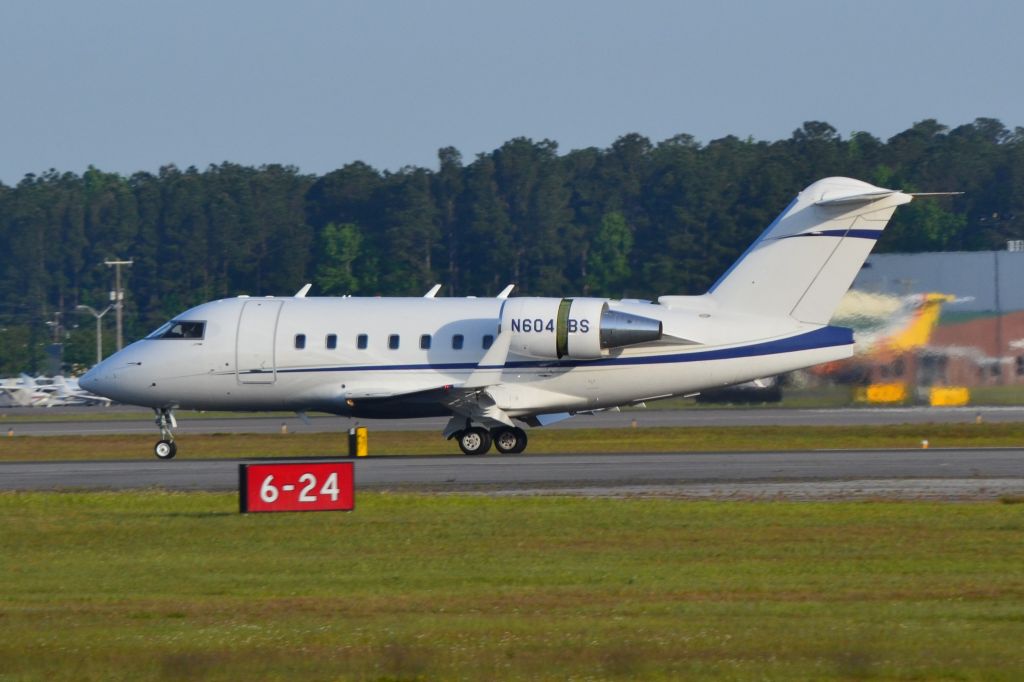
(576, 328)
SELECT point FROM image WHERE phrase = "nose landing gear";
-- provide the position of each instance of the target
(165, 447)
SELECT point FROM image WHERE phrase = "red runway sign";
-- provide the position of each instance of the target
(296, 486)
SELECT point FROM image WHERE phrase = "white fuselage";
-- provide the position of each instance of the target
(277, 354)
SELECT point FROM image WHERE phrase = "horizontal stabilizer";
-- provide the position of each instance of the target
(847, 196)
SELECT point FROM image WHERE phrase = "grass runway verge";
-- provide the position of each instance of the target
(622, 440)
(163, 586)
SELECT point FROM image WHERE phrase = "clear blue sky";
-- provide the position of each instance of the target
(132, 85)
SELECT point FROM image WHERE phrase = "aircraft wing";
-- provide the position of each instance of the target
(468, 400)
(471, 400)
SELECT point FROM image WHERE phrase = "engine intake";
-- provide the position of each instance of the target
(577, 328)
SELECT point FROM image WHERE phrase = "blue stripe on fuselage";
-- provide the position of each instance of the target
(856, 234)
(824, 337)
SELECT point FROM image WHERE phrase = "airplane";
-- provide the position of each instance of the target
(491, 364)
(885, 328)
(24, 391)
(28, 391)
(67, 391)
(889, 325)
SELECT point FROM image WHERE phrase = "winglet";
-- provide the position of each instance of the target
(301, 293)
(506, 291)
(433, 291)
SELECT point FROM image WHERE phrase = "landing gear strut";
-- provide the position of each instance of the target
(165, 447)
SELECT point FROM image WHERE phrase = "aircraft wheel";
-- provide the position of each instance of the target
(510, 441)
(165, 449)
(522, 441)
(474, 441)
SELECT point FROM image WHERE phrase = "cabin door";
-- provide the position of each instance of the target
(254, 346)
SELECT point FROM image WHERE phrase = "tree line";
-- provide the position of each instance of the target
(636, 219)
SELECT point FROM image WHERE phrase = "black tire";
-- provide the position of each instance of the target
(165, 449)
(474, 441)
(509, 440)
(522, 440)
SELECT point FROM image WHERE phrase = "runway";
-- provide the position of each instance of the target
(949, 474)
(43, 422)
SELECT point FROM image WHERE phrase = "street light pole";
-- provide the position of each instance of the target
(117, 296)
(99, 327)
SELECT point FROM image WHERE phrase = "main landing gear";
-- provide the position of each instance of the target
(165, 447)
(477, 440)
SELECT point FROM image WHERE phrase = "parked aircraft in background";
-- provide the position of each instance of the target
(57, 391)
(885, 328)
(889, 325)
(24, 392)
(68, 392)
(492, 364)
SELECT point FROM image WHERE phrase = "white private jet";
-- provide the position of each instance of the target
(490, 363)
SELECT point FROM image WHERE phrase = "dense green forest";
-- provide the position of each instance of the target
(636, 219)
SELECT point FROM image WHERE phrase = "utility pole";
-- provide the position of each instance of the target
(55, 326)
(117, 296)
(99, 327)
(999, 319)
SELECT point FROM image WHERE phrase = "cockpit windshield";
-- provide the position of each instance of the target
(180, 329)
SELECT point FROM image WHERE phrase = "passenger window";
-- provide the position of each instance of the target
(425, 342)
(488, 340)
(300, 341)
(457, 342)
(332, 341)
(393, 342)
(362, 341)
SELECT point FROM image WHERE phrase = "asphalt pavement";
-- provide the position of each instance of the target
(829, 474)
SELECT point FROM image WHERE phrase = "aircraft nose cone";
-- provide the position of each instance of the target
(89, 380)
(118, 378)
(94, 380)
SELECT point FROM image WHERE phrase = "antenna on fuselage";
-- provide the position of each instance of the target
(433, 291)
(301, 293)
(506, 291)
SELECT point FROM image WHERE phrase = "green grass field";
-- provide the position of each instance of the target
(678, 439)
(158, 586)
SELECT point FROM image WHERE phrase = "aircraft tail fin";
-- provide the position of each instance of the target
(807, 258)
